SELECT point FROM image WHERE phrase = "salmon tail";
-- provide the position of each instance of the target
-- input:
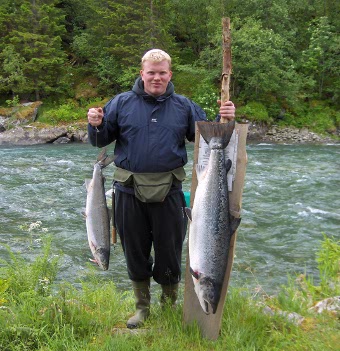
(216, 134)
(102, 155)
(103, 159)
(108, 160)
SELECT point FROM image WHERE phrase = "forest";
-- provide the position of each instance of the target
(285, 53)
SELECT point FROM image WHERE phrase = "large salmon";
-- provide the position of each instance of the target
(211, 226)
(97, 213)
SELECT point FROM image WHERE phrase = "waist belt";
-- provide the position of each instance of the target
(149, 187)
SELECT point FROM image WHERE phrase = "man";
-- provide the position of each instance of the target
(150, 124)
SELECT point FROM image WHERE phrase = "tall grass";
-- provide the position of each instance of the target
(38, 314)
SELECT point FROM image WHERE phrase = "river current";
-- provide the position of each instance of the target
(290, 200)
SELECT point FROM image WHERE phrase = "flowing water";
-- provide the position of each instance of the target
(290, 199)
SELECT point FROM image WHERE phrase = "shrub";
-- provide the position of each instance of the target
(254, 111)
(316, 117)
(207, 98)
(64, 113)
(14, 102)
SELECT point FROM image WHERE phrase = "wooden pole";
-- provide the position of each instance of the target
(114, 231)
(210, 325)
(226, 69)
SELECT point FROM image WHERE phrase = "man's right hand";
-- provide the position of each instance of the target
(95, 116)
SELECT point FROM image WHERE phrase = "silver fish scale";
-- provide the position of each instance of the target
(209, 236)
(97, 218)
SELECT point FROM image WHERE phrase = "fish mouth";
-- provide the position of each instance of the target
(101, 257)
(209, 308)
(209, 292)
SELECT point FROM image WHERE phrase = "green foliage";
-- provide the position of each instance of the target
(13, 76)
(320, 60)
(107, 70)
(63, 113)
(262, 66)
(186, 78)
(127, 78)
(194, 83)
(33, 279)
(316, 116)
(254, 111)
(34, 44)
(301, 292)
(328, 259)
(206, 97)
(93, 316)
(13, 102)
(189, 27)
(284, 53)
(4, 285)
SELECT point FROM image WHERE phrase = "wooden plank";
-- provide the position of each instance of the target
(210, 325)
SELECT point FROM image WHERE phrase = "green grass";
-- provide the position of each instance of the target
(36, 313)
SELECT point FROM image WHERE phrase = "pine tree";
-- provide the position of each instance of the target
(33, 31)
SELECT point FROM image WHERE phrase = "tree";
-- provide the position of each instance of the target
(190, 19)
(34, 34)
(12, 76)
(117, 34)
(320, 60)
(262, 68)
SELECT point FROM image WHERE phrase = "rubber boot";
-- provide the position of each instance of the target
(142, 296)
(169, 294)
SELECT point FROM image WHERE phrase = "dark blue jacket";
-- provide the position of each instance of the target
(149, 132)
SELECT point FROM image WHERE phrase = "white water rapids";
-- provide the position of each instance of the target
(290, 199)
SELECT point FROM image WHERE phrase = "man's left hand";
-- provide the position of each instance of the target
(227, 111)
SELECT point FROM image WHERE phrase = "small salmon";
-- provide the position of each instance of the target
(97, 213)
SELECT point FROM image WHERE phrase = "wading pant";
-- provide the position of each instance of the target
(141, 225)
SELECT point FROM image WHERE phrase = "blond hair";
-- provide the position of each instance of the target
(156, 55)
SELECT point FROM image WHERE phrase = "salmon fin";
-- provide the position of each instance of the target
(87, 183)
(196, 275)
(228, 165)
(84, 213)
(188, 213)
(216, 135)
(200, 172)
(234, 223)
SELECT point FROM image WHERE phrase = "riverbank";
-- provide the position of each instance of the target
(36, 133)
(290, 135)
(37, 314)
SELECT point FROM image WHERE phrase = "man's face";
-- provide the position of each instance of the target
(156, 76)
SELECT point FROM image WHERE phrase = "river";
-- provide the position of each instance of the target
(290, 199)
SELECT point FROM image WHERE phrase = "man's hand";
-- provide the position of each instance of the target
(227, 111)
(95, 116)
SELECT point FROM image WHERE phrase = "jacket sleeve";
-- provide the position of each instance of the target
(196, 114)
(107, 132)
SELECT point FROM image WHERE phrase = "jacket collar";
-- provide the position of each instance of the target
(138, 88)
